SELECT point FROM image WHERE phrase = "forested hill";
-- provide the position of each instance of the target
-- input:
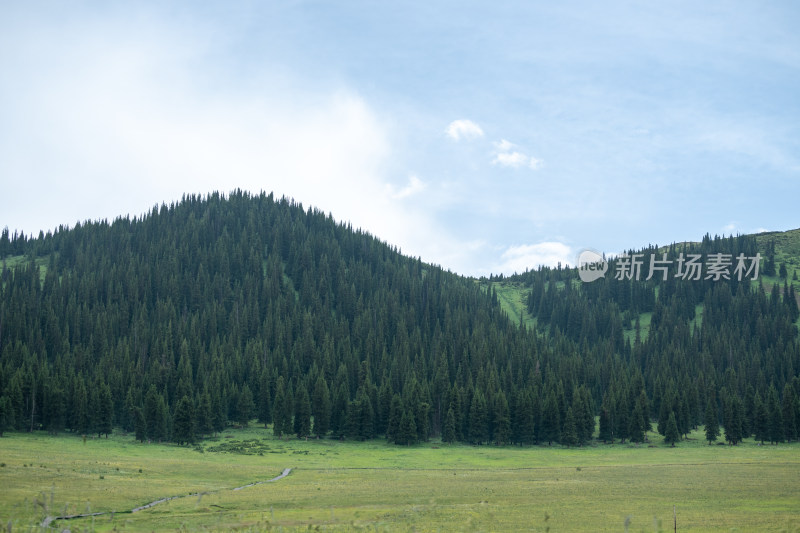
(221, 309)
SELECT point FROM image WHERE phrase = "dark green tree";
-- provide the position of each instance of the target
(302, 412)
(710, 421)
(569, 435)
(760, 420)
(407, 431)
(321, 407)
(281, 411)
(501, 419)
(205, 414)
(775, 428)
(139, 424)
(478, 419)
(5, 414)
(788, 409)
(671, 435)
(105, 410)
(245, 406)
(449, 429)
(183, 431)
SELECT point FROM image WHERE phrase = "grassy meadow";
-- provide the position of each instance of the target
(375, 486)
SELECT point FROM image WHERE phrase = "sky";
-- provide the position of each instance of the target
(486, 137)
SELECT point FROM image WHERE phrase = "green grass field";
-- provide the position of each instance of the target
(374, 486)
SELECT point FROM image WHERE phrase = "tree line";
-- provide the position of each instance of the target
(223, 309)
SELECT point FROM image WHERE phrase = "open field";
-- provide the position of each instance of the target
(347, 486)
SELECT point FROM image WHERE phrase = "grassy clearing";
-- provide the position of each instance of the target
(511, 296)
(14, 261)
(345, 485)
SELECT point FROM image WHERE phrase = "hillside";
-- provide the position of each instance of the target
(217, 310)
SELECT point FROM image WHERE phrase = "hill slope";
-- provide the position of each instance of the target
(217, 310)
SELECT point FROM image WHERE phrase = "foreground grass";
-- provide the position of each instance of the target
(347, 486)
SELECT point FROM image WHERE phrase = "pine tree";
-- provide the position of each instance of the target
(219, 418)
(245, 406)
(551, 420)
(449, 429)
(788, 403)
(760, 420)
(205, 415)
(710, 421)
(152, 414)
(139, 424)
(671, 435)
(281, 413)
(478, 419)
(105, 411)
(407, 431)
(5, 414)
(80, 408)
(605, 432)
(569, 435)
(54, 409)
(775, 428)
(264, 400)
(636, 424)
(321, 407)
(501, 419)
(302, 412)
(395, 416)
(734, 413)
(184, 422)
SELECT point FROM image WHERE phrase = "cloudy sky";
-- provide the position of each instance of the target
(485, 137)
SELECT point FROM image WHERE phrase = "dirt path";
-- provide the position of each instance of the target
(50, 519)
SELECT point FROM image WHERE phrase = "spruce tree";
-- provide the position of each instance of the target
(139, 424)
(760, 420)
(478, 419)
(105, 411)
(734, 412)
(569, 435)
(245, 406)
(551, 421)
(605, 432)
(5, 414)
(449, 429)
(788, 404)
(407, 431)
(281, 411)
(80, 409)
(302, 412)
(183, 431)
(264, 400)
(710, 421)
(636, 425)
(775, 427)
(671, 435)
(501, 420)
(321, 407)
(205, 415)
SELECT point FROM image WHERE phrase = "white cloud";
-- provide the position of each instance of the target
(510, 159)
(506, 155)
(530, 256)
(101, 124)
(415, 185)
(504, 145)
(463, 129)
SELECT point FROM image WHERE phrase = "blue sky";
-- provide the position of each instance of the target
(485, 137)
